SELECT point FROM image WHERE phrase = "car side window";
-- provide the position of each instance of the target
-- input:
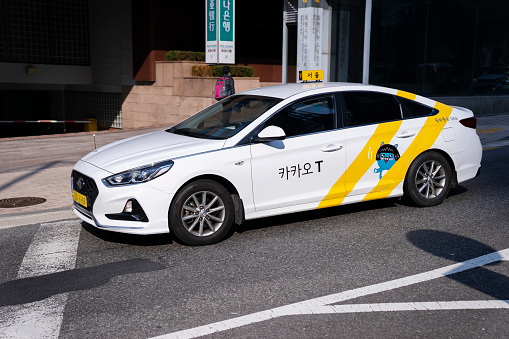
(363, 108)
(305, 117)
(412, 109)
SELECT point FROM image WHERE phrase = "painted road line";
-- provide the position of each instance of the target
(53, 249)
(413, 306)
(323, 304)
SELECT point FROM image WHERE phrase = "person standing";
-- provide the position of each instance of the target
(230, 84)
(225, 86)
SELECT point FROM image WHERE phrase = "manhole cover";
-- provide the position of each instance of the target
(20, 202)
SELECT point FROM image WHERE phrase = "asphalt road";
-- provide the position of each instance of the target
(387, 269)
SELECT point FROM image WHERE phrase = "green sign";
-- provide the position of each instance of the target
(226, 31)
(226, 20)
(211, 31)
(211, 20)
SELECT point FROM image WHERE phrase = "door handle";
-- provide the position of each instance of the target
(405, 134)
(331, 148)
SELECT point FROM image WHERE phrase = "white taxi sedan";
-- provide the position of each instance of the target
(277, 150)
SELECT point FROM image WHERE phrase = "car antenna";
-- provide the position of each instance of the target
(95, 146)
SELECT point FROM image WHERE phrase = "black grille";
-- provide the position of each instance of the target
(86, 186)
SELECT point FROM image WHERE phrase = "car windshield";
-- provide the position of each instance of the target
(225, 118)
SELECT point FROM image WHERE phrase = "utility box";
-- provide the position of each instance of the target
(92, 126)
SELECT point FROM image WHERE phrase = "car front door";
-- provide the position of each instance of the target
(304, 167)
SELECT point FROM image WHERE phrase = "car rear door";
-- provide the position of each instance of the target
(377, 138)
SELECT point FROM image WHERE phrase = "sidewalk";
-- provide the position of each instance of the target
(493, 130)
(41, 167)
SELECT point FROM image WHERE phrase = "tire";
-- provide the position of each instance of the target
(428, 180)
(202, 213)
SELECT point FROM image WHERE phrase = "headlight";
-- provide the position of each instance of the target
(139, 174)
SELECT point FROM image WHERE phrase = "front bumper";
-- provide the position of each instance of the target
(112, 200)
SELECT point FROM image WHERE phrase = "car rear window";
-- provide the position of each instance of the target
(363, 108)
(412, 109)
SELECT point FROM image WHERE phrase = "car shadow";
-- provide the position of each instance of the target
(249, 225)
(457, 190)
(291, 218)
(458, 248)
(27, 290)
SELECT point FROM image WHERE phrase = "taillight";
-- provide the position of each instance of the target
(469, 122)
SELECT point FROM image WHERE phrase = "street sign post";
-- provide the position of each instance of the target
(211, 32)
(226, 49)
(313, 35)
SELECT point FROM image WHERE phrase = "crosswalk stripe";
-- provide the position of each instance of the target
(53, 249)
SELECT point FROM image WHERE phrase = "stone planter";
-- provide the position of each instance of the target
(173, 97)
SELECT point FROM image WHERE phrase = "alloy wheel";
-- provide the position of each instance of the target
(203, 213)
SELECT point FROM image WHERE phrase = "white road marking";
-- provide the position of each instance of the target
(53, 249)
(323, 305)
(413, 306)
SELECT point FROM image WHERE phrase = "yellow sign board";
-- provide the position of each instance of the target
(315, 75)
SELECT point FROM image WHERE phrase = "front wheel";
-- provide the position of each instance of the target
(428, 179)
(202, 213)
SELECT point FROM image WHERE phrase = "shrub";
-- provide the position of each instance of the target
(243, 71)
(217, 70)
(202, 71)
(184, 56)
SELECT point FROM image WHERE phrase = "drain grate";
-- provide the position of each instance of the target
(20, 202)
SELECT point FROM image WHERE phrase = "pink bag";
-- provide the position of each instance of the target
(220, 91)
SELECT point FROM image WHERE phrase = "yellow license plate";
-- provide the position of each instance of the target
(79, 198)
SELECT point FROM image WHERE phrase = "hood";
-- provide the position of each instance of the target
(148, 148)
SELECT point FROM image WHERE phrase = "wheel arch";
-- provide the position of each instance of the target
(447, 157)
(237, 201)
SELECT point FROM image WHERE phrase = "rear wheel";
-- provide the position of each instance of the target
(202, 213)
(428, 179)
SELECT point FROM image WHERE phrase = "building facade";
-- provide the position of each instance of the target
(454, 51)
(79, 59)
(434, 48)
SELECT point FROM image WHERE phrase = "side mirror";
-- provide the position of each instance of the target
(270, 133)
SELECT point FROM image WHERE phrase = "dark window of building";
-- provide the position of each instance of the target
(305, 117)
(347, 40)
(440, 48)
(412, 109)
(105, 107)
(363, 108)
(37, 31)
(433, 48)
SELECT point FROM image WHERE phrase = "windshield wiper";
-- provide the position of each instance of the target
(179, 131)
(188, 133)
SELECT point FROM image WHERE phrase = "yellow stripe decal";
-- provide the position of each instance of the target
(406, 95)
(423, 141)
(359, 166)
